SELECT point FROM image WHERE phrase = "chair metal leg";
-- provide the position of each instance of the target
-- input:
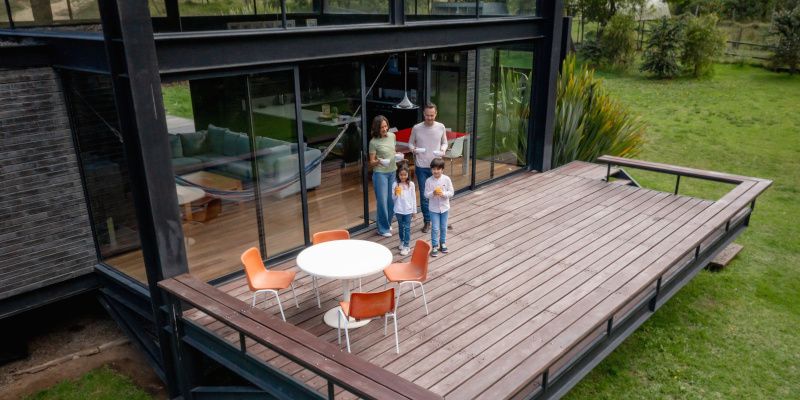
(254, 299)
(413, 290)
(385, 319)
(316, 290)
(359, 285)
(279, 305)
(294, 294)
(399, 291)
(396, 337)
(339, 328)
(347, 335)
(424, 299)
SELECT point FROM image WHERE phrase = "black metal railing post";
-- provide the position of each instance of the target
(677, 183)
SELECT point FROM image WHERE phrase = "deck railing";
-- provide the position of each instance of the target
(338, 367)
(724, 221)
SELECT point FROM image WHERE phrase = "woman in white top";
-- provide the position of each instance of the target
(405, 205)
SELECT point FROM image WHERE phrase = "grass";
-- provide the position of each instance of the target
(100, 384)
(730, 334)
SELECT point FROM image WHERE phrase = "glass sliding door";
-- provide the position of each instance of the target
(208, 121)
(278, 162)
(330, 96)
(505, 80)
(449, 89)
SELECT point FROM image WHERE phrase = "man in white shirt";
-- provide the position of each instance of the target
(428, 141)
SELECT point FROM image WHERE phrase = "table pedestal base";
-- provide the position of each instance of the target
(331, 318)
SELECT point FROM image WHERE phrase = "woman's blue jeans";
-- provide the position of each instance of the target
(382, 182)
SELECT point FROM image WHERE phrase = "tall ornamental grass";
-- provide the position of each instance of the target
(589, 123)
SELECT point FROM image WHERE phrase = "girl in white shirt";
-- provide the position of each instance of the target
(405, 205)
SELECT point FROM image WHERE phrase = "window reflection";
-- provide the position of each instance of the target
(212, 159)
(53, 12)
(105, 169)
(330, 96)
(504, 94)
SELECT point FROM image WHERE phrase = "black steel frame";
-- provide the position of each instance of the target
(137, 60)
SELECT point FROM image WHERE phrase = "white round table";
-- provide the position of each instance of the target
(346, 260)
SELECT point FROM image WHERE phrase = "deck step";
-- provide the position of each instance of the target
(725, 256)
(621, 182)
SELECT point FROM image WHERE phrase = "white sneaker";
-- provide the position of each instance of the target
(401, 247)
(404, 251)
(386, 234)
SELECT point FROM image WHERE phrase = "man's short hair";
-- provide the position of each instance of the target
(437, 163)
(431, 105)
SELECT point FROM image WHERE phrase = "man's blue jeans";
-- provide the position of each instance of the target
(422, 175)
(382, 182)
(438, 228)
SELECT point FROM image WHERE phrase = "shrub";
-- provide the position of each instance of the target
(663, 47)
(618, 40)
(702, 44)
(589, 123)
(787, 51)
(592, 52)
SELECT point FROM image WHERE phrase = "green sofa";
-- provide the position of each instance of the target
(223, 151)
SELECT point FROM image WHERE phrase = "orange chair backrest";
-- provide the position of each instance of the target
(371, 305)
(253, 266)
(419, 259)
(327, 236)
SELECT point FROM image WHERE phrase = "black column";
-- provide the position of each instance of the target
(546, 67)
(131, 52)
(397, 12)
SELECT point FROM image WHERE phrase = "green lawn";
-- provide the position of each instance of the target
(100, 384)
(733, 334)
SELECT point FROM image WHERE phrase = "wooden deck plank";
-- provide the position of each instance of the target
(536, 261)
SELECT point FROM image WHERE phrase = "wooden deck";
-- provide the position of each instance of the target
(539, 263)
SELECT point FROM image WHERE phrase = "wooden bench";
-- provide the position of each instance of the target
(325, 359)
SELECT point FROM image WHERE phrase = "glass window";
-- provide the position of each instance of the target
(212, 159)
(450, 91)
(330, 96)
(4, 22)
(425, 10)
(157, 8)
(275, 131)
(54, 12)
(106, 175)
(507, 8)
(504, 94)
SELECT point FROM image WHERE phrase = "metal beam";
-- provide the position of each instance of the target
(70, 50)
(128, 35)
(547, 64)
(193, 51)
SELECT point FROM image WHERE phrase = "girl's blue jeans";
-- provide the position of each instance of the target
(404, 225)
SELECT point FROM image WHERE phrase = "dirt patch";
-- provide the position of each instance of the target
(67, 340)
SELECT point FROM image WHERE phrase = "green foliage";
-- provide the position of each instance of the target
(601, 11)
(177, 99)
(592, 52)
(662, 49)
(787, 51)
(729, 334)
(739, 10)
(589, 123)
(100, 384)
(703, 43)
(512, 109)
(618, 41)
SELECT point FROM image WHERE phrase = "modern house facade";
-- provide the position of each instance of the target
(143, 141)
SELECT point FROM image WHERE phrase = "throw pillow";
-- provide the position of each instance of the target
(216, 138)
(194, 143)
(175, 146)
(230, 143)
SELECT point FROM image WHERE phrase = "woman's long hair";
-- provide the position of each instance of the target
(375, 131)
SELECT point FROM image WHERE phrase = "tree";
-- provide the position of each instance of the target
(663, 48)
(618, 40)
(702, 44)
(787, 51)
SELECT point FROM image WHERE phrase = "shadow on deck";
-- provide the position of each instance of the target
(547, 274)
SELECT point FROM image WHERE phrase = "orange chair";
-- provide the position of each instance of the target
(413, 272)
(368, 306)
(327, 236)
(262, 280)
